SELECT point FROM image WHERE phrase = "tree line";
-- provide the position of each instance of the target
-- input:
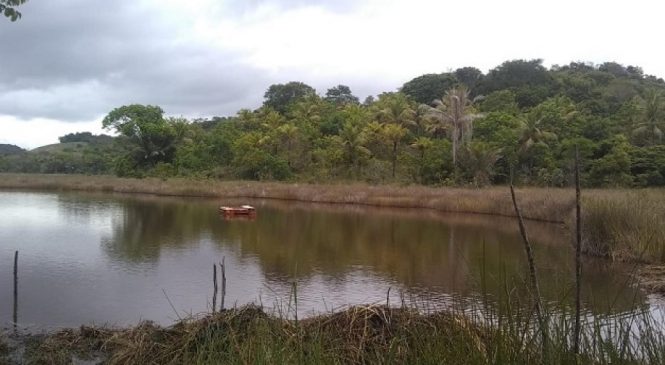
(462, 127)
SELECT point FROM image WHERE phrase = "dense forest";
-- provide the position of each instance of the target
(454, 128)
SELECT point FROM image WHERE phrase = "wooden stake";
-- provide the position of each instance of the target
(578, 253)
(15, 312)
(532, 270)
(223, 266)
(214, 285)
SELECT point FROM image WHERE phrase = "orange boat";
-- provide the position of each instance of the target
(243, 210)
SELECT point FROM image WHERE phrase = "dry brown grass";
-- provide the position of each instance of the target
(537, 203)
(358, 335)
(652, 278)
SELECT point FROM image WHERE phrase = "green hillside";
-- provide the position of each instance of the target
(10, 149)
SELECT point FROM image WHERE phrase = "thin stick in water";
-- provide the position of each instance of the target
(214, 285)
(171, 304)
(15, 312)
(578, 253)
(532, 270)
(223, 266)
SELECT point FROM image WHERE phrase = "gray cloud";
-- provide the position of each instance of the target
(76, 59)
(245, 6)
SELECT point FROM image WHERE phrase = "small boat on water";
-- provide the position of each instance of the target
(243, 210)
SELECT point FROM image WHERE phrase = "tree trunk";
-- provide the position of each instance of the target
(394, 157)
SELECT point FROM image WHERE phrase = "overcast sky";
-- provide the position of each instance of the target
(67, 63)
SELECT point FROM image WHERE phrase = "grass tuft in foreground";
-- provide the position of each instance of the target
(360, 335)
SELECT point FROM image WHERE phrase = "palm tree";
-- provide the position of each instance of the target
(453, 113)
(289, 136)
(394, 134)
(307, 112)
(533, 133)
(395, 108)
(480, 159)
(653, 122)
(353, 140)
(422, 145)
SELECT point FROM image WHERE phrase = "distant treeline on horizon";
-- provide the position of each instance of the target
(454, 128)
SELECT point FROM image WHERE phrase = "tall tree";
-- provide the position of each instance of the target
(353, 141)
(529, 80)
(8, 9)
(288, 136)
(395, 108)
(479, 160)
(426, 88)
(653, 119)
(341, 95)
(533, 132)
(281, 96)
(394, 134)
(146, 127)
(422, 145)
(454, 112)
(469, 77)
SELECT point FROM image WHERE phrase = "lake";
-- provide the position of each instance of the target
(87, 258)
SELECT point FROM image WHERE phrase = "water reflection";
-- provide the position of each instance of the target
(422, 250)
(108, 257)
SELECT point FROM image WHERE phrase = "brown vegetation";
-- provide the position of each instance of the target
(536, 203)
(358, 335)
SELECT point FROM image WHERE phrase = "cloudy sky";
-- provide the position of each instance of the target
(69, 62)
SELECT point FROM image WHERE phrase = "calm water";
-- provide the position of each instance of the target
(115, 259)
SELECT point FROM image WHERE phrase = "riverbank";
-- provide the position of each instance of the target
(358, 335)
(552, 205)
(622, 224)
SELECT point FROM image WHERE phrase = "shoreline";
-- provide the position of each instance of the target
(552, 205)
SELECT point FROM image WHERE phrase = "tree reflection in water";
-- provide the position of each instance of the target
(424, 251)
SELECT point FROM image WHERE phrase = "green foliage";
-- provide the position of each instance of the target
(146, 128)
(341, 95)
(648, 165)
(427, 88)
(529, 80)
(281, 96)
(613, 169)
(461, 127)
(470, 77)
(10, 149)
(8, 9)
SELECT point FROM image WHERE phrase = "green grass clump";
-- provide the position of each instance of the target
(625, 227)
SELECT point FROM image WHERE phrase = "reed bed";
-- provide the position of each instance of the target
(359, 335)
(627, 225)
(552, 205)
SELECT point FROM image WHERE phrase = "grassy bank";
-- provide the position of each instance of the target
(539, 204)
(359, 335)
(618, 223)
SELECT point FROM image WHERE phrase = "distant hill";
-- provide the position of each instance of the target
(10, 149)
(86, 137)
(75, 142)
(60, 147)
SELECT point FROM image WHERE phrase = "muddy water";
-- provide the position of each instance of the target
(119, 259)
